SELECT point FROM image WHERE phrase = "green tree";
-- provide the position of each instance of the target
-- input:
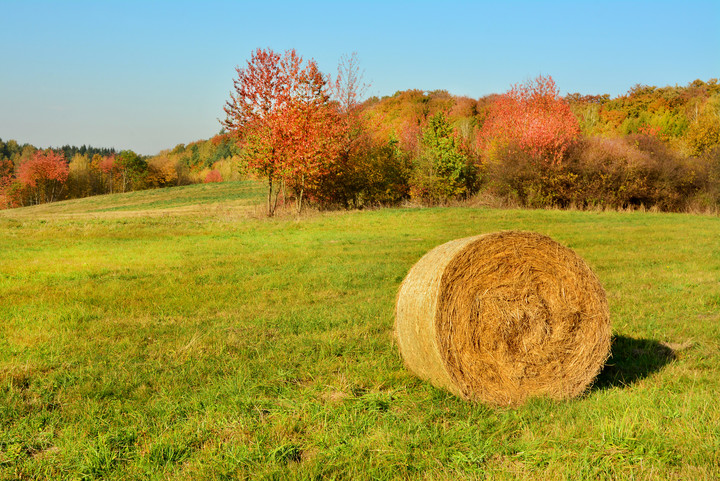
(442, 170)
(133, 169)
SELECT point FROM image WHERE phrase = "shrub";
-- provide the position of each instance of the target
(633, 171)
(213, 176)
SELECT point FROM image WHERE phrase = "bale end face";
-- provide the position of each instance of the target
(503, 317)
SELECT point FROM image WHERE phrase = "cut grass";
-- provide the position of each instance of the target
(209, 345)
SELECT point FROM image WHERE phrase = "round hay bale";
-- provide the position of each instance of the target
(503, 317)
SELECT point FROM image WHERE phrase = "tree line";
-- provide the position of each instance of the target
(29, 175)
(309, 137)
(312, 138)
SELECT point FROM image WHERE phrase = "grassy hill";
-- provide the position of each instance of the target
(179, 334)
(198, 199)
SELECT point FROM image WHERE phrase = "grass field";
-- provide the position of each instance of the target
(175, 334)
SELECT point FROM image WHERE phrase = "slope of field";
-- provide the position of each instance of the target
(208, 346)
(200, 199)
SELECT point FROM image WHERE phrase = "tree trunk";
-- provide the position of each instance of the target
(271, 209)
(300, 195)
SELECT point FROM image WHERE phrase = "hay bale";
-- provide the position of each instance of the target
(503, 317)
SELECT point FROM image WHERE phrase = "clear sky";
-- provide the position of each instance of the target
(147, 75)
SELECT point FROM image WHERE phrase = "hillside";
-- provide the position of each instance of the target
(187, 340)
(198, 199)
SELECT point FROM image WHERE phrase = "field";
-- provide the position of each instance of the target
(178, 334)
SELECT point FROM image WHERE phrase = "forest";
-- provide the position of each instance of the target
(313, 138)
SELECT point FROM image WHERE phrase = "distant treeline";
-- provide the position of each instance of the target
(652, 147)
(29, 175)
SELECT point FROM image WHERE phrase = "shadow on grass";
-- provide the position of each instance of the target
(632, 360)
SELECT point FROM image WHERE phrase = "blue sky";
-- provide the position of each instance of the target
(147, 75)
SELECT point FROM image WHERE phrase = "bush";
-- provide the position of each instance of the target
(377, 174)
(213, 176)
(619, 173)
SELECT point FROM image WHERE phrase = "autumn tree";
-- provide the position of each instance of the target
(110, 170)
(339, 183)
(348, 90)
(8, 183)
(133, 169)
(532, 117)
(79, 182)
(280, 115)
(44, 176)
(703, 133)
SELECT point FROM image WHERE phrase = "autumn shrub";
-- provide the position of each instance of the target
(213, 176)
(706, 170)
(522, 178)
(162, 171)
(617, 172)
(376, 174)
(632, 171)
(230, 168)
(12, 193)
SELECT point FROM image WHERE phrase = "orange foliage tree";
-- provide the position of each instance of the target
(280, 114)
(44, 176)
(532, 117)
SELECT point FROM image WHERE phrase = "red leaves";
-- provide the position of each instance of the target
(213, 176)
(532, 117)
(280, 114)
(108, 165)
(42, 167)
(44, 175)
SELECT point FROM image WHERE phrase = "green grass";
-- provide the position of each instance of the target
(216, 346)
(186, 199)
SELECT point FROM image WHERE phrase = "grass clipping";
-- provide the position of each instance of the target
(503, 317)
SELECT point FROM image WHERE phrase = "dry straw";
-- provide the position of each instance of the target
(503, 317)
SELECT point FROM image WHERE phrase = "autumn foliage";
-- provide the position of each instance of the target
(213, 176)
(280, 114)
(44, 175)
(312, 138)
(532, 117)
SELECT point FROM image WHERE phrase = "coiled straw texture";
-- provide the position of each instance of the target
(503, 317)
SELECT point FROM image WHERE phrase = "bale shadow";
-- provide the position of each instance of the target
(632, 360)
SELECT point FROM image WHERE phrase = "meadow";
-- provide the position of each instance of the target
(179, 334)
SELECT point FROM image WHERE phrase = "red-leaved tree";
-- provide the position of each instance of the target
(213, 176)
(111, 172)
(44, 176)
(532, 117)
(281, 116)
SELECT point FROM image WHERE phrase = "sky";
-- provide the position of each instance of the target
(148, 75)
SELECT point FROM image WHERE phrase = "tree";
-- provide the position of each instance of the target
(442, 170)
(7, 181)
(79, 179)
(44, 175)
(348, 89)
(703, 134)
(133, 169)
(110, 169)
(532, 117)
(280, 115)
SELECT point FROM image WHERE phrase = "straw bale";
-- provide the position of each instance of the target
(503, 317)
